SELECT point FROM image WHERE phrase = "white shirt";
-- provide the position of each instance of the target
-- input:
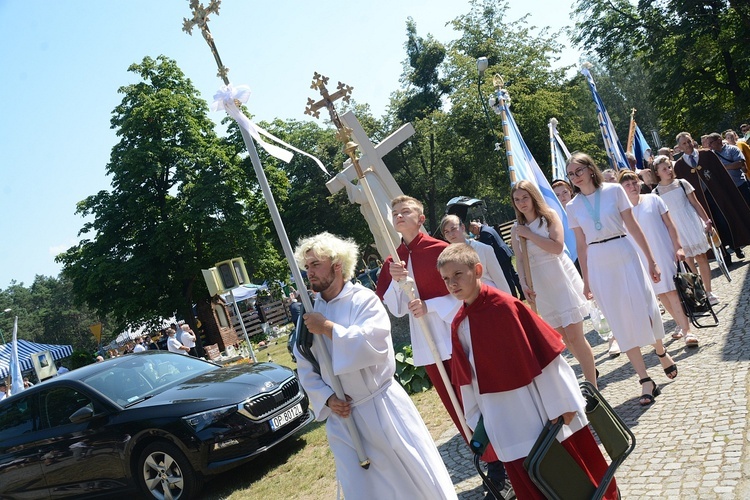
(493, 273)
(187, 339)
(139, 348)
(612, 202)
(173, 345)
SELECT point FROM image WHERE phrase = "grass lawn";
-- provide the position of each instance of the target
(302, 467)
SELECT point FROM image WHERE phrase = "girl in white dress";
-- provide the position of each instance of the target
(690, 218)
(612, 270)
(653, 216)
(557, 287)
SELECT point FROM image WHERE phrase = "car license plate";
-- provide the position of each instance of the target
(286, 417)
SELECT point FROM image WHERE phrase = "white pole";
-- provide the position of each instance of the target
(242, 324)
(325, 356)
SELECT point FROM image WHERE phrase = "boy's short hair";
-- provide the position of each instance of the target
(460, 253)
(408, 199)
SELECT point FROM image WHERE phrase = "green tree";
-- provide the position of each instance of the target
(47, 314)
(420, 170)
(695, 52)
(180, 201)
(466, 140)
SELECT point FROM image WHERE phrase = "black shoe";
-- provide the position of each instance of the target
(739, 253)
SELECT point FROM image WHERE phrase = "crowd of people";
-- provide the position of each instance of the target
(489, 357)
(178, 337)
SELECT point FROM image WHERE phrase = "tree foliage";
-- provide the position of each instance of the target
(695, 52)
(179, 202)
(47, 314)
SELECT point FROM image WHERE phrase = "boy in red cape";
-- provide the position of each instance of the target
(417, 256)
(507, 362)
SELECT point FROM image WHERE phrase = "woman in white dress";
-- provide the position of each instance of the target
(690, 218)
(612, 270)
(557, 287)
(653, 216)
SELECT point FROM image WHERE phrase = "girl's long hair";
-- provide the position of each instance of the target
(540, 206)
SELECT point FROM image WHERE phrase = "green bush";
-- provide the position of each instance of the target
(412, 378)
(258, 337)
(80, 358)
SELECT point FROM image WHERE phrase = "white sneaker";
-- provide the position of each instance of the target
(712, 299)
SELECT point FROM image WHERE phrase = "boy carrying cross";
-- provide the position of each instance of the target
(507, 362)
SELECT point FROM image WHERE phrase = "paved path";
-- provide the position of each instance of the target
(692, 442)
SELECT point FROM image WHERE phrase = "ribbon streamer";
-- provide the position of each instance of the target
(225, 99)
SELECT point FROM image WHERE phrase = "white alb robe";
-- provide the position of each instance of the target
(493, 273)
(405, 464)
(514, 419)
(440, 313)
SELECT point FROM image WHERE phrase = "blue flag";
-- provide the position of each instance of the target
(640, 146)
(612, 145)
(526, 168)
(558, 150)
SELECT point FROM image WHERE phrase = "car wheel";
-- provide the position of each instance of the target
(165, 473)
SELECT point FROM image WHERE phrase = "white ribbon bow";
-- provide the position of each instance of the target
(225, 98)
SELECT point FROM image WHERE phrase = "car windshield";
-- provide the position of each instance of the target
(138, 376)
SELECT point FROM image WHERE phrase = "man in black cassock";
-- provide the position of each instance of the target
(716, 191)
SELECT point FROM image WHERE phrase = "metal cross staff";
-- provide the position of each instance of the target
(200, 18)
(407, 285)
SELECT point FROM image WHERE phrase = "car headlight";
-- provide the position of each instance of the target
(199, 421)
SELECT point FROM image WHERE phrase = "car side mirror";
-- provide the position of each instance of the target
(81, 415)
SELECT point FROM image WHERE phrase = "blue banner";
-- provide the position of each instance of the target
(612, 145)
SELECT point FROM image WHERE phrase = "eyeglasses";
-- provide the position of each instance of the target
(577, 173)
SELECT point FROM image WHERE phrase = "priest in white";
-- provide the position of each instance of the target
(352, 324)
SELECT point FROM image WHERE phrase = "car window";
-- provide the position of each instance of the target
(58, 404)
(16, 418)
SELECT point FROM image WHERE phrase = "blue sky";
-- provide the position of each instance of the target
(63, 61)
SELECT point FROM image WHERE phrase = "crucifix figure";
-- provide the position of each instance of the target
(384, 186)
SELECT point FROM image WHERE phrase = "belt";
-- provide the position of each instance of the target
(608, 239)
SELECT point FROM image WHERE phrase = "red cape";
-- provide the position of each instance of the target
(511, 344)
(425, 250)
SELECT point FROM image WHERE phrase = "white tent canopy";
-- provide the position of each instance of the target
(134, 333)
(243, 292)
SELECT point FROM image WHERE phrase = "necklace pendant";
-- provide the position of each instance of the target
(598, 226)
